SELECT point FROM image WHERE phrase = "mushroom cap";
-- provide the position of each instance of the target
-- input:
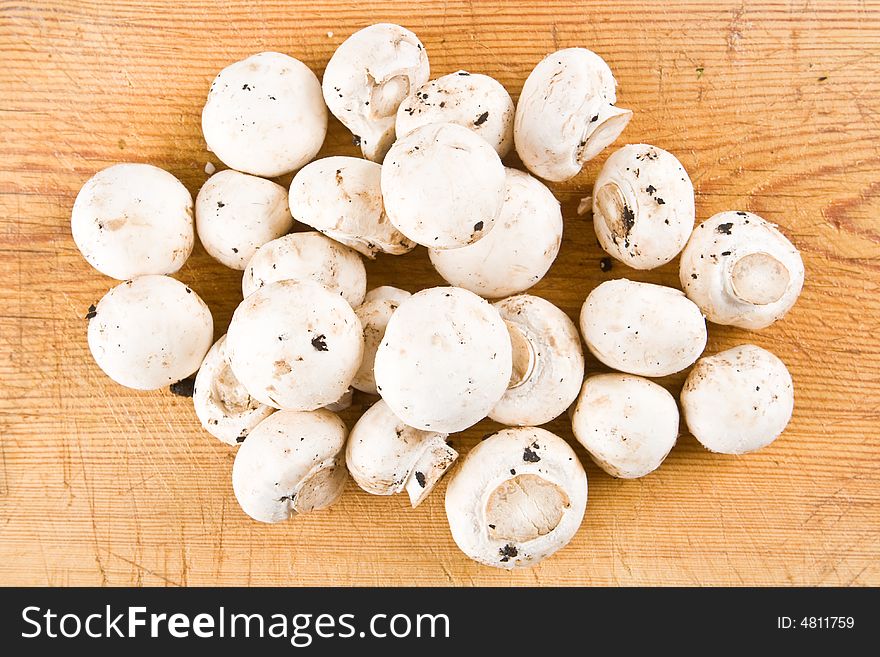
(366, 79)
(223, 406)
(643, 206)
(471, 100)
(741, 271)
(548, 362)
(627, 424)
(385, 456)
(292, 462)
(295, 345)
(374, 314)
(342, 197)
(738, 400)
(565, 115)
(443, 186)
(387, 292)
(150, 332)
(265, 115)
(237, 213)
(517, 252)
(445, 360)
(518, 497)
(308, 256)
(641, 328)
(133, 220)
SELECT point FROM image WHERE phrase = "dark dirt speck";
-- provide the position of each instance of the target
(529, 456)
(605, 264)
(481, 119)
(724, 229)
(420, 477)
(93, 312)
(319, 342)
(183, 388)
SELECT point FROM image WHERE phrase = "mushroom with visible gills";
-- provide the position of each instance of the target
(738, 400)
(308, 256)
(295, 346)
(518, 497)
(342, 198)
(517, 252)
(626, 423)
(265, 115)
(565, 115)
(642, 328)
(133, 220)
(643, 206)
(385, 456)
(366, 79)
(293, 462)
(150, 332)
(223, 406)
(443, 186)
(741, 271)
(548, 362)
(471, 100)
(445, 360)
(374, 313)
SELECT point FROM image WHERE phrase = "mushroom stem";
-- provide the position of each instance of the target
(602, 132)
(525, 507)
(614, 210)
(428, 470)
(320, 488)
(386, 96)
(523, 354)
(758, 278)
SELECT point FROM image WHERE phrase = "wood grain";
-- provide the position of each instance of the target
(774, 109)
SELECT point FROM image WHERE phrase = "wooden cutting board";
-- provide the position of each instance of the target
(774, 110)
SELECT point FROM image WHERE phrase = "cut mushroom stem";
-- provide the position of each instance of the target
(523, 354)
(758, 278)
(428, 470)
(602, 132)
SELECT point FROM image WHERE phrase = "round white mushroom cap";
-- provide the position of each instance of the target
(741, 271)
(565, 115)
(517, 252)
(643, 206)
(265, 115)
(133, 220)
(342, 197)
(641, 328)
(738, 400)
(445, 360)
(223, 406)
(237, 213)
(443, 186)
(150, 332)
(295, 345)
(518, 497)
(308, 256)
(627, 424)
(292, 462)
(385, 456)
(548, 362)
(366, 79)
(374, 314)
(474, 101)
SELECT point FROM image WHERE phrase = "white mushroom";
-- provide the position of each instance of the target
(132, 220)
(385, 456)
(222, 404)
(741, 271)
(627, 424)
(292, 462)
(374, 314)
(518, 497)
(472, 100)
(445, 360)
(366, 79)
(237, 213)
(643, 206)
(295, 345)
(150, 332)
(641, 328)
(342, 198)
(517, 252)
(308, 256)
(443, 186)
(548, 362)
(738, 400)
(265, 115)
(565, 115)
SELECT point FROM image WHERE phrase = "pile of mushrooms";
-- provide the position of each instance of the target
(309, 335)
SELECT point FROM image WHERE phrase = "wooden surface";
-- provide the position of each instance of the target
(775, 110)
